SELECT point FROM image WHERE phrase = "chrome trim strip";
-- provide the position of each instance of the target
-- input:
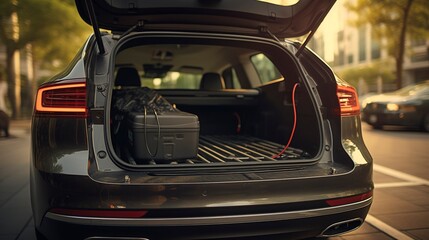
(213, 220)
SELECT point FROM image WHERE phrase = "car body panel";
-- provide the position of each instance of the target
(259, 201)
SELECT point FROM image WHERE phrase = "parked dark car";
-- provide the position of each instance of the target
(198, 120)
(408, 106)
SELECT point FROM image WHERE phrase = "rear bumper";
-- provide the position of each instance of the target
(285, 208)
(214, 220)
(292, 224)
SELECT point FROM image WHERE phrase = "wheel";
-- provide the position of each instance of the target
(425, 124)
(377, 126)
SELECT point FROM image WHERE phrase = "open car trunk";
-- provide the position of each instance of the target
(210, 101)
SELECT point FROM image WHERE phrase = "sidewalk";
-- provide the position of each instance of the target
(20, 123)
(17, 127)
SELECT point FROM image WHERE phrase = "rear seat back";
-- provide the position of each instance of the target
(212, 81)
(127, 77)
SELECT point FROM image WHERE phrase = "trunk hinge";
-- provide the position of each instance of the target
(93, 19)
(265, 29)
(139, 24)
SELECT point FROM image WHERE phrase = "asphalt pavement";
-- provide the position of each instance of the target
(401, 198)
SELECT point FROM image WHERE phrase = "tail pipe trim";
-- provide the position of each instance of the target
(342, 227)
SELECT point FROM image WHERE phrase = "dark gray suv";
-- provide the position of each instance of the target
(198, 120)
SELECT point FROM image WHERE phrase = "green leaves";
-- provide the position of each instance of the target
(396, 22)
(53, 27)
(368, 73)
(386, 18)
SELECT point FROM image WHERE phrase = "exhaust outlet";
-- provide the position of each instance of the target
(342, 227)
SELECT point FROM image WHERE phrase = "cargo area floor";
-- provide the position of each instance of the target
(234, 148)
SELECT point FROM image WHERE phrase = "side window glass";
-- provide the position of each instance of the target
(267, 71)
(235, 82)
(231, 78)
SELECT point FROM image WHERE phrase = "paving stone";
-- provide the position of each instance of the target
(383, 178)
(406, 221)
(393, 205)
(422, 188)
(413, 195)
(15, 213)
(421, 234)
(12, 184)
(408, 193)
(372, 236)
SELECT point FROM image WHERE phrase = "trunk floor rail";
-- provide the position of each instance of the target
(233, 148)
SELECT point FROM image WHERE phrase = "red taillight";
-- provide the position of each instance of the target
(108, 213)
(348, 200)
(349, 103)
(62, 99)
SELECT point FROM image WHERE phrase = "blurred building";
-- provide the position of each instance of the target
(345, 46)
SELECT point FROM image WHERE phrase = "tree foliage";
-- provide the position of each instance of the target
(394, 21)
(52, 27)
(369, 73)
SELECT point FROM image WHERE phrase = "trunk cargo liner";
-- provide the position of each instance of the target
(236, 149)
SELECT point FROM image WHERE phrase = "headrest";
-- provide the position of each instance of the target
(212, 81)
(127, 77)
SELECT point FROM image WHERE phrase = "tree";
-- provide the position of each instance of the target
(52, 27)
(369, 73)
(394, 21)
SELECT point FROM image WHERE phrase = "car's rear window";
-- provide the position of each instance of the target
(266, 69)
(174, 80)
(194, 66)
